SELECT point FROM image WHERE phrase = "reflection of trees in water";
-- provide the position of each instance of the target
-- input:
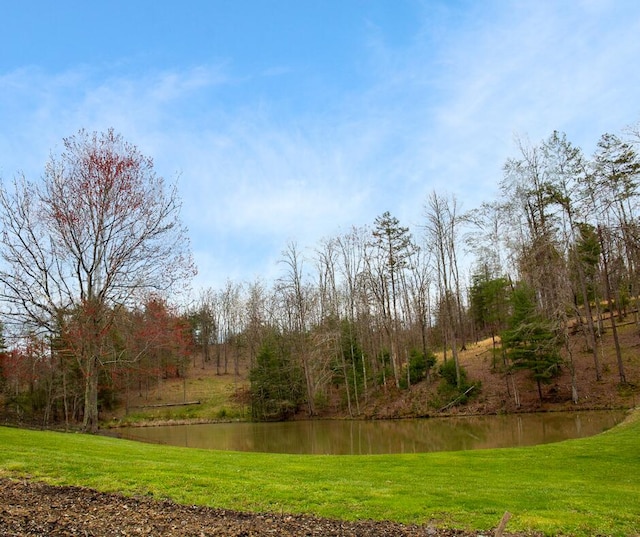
(356, 437)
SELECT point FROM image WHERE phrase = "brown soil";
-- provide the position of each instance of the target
(496, 394)
(29, 509)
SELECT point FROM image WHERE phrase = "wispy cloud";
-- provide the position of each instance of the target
(436, 112)
(500, 70)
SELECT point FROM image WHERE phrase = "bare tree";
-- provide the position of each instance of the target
(352, 247)
(204, 320)
(297, 301)
(534, 209)
(419, 288)
(441, 228)
(229, 303)
(254, 318)
(98, 233)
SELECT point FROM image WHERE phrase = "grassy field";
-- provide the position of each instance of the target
(579, 487)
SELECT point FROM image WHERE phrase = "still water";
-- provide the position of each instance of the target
(382, 436)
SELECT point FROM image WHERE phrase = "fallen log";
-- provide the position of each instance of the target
(161, 405)
(457, 399)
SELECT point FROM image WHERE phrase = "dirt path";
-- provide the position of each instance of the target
(29, 508)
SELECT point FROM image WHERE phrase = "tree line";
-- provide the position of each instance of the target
(362, 312)
(357, 315)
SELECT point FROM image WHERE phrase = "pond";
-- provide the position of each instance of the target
(359, 437)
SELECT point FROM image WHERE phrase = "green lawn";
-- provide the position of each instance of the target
(583, 487)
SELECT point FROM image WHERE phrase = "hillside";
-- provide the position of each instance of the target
(225, 396)
(496, 394)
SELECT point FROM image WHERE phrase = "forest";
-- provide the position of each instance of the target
(91, 308)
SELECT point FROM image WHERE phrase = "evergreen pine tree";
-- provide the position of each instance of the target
(530, 341)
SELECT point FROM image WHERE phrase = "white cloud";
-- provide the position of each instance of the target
(439, 113)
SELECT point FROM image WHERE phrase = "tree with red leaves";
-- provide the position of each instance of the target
(97, 234)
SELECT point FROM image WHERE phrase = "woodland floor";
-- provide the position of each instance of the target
(29, 509)
(496, 395)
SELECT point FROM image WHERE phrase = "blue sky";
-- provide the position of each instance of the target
(293, 120)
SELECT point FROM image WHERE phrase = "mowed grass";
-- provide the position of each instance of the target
(578, 487)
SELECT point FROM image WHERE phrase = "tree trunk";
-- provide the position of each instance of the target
(539, 384)
(572, 369)
(589, 317)
(346, 384)
(614, 329)
(516, 394)
(90, 420)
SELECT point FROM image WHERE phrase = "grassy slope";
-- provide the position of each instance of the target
(215, 394)
(585, 486)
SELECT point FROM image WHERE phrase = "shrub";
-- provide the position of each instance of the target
(449, 394)
(420, 364)
(447, 371)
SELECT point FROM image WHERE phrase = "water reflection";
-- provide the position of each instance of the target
(377, 437)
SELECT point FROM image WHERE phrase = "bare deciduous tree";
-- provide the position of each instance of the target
(99, 232)
(441, 230)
